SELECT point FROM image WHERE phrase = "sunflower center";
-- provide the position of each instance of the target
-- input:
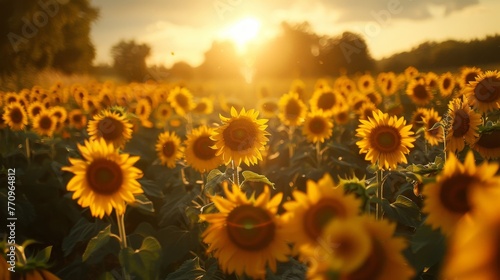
(373, 265)
(385, 139)
(16, 116)
(270, 106)
(470, 77)
(250, 228)
(318, 216)
(489, 140)
(317, 126)
(168, 149)
(111, 128)
(77, 118)
(446, 83)
(420, 92)
(454, 193)
(36, 110)
(182, 100)
(240, 135)
(45, 123)
(366, 84)
(326, 100)
(202, 148)
(57, 114)
(430, 125)
(104, 176)
(201, 107)
(461, 123)
(488, 90)
(292, 109)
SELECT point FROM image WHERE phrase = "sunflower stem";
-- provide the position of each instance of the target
(120, 218)
(189, 123)
(236, 175)
(444, 143)
(380, 194)
(291, 131)
(318, 153)
(28, 150)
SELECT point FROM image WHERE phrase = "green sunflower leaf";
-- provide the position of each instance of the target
(254, 177)
(97, 242)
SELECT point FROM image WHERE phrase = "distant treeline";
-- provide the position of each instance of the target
(432, 56)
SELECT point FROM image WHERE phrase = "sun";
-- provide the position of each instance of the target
(243, 31)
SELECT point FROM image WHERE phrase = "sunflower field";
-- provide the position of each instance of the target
(386, 176)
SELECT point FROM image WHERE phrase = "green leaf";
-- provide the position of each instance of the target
(81, 231)
(143, 204)
(427, 247)
(212, 270)
(214, 179)
(97, 242)
(254, 177)
(403, 211)
(43, 256)
(189, 270)
(151, 188)
(213, 174)
(144, 261)
(177, 242)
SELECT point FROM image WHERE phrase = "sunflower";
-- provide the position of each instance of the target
(419, 92)
(269, 107)
(44, 124)
(181, 100)
(357, 101)
(387, 83)
(169, 149)
(299, 87)
(464, 125)
(374, 97)
(77, 119)
(143, 109)
(325, 99)
(366, 110)
(446, 84)
(433, 135)
(34, 109)
(80, 94)
(432, 80)
(484, 93)
(113, 127)
(309, 213)
(384, 259)
(246, 236)
(450, 198)
(199, 152)
(292, 111)
(162, 113)
(366, 83)
(488, 143)
(15, 116)
(317, 127)
(105, 179)
(10, 97)
(91, 105)
(417, 119)
(411, 73)
(242, 137)
(467, 75)
(341, 114)
(385, 139)
(204, 106)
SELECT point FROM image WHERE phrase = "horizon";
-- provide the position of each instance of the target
(181, 33)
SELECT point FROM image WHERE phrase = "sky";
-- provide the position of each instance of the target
(184, 30)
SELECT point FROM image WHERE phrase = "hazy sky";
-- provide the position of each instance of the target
(184, 30)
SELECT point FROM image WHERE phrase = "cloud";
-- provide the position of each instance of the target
(360, 10)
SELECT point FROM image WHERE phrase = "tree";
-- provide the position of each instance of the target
(182, 70)
(221, 62)
(35, 35)
(130, 60)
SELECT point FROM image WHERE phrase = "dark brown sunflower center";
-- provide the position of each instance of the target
(454, 193)
(202, 148)
(433, 131)
(420, 92)
(489, 140)
(417, 120)
(240, 134)
(366, 84)
(373, 265)
(470, 77)
(58, 115)
(16, 116)
(292, 109)
(250, 228)
(168, 149)
(446, 83)
(111, 128)
(77, 118)
(318, 216)
(326, 100)
(142, 110)
(372, 97)
(36, 110)
(45, 123)
(385, 139)
(201, 107)
(488, 90)
(317, 126)
(388, 86)
(182, 100)
(461, 123)
(104, 176)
